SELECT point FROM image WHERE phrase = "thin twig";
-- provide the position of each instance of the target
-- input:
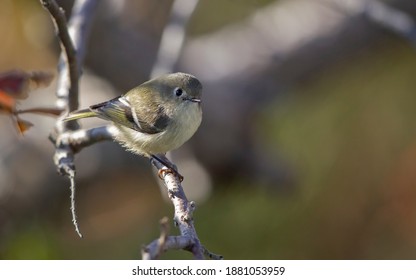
(155, 249)
(73, 212)
(51, 111)
(150, 252)
(82, 138)
(211, 255)
(164, 232)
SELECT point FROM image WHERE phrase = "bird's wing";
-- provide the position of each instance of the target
(150, 120)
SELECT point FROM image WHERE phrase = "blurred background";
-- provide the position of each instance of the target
(307, 148)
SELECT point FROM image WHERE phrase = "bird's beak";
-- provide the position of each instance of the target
(196, 100)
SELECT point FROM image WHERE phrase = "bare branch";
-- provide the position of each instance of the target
(71, 142)
(79, 28)
(164, 243)
(68, 65)
(151, 251)
(173, 37)
(188, 240)
(82, 138)
(211, 255)
(73, 212)
(390, 18)
(67, 145)
(73, 42)
(164, 231)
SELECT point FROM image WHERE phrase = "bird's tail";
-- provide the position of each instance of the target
(80, 114)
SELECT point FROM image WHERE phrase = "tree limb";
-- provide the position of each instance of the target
(164, 243)
(67, 89)
(183, 218)
(81, 138)
(183, 211)
(73, 42)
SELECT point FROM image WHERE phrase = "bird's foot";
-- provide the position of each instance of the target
(172, 169)
(162, 173)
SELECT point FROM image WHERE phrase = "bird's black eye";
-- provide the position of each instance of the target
(178, 91)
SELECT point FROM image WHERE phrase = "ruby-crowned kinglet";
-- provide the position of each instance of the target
(155, 117)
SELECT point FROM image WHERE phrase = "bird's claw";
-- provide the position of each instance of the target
(162, 173)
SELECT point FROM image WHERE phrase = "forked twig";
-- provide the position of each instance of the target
(72, 44)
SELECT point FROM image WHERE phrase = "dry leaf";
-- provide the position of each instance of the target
(23, 125)
(7, 103)
(18, 83)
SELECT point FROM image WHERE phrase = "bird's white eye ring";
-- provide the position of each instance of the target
(178, 91)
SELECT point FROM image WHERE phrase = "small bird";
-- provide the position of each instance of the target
(153, 118)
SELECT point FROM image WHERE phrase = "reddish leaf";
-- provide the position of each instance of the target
(13, 82)
(18, 83)
(7, 103)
